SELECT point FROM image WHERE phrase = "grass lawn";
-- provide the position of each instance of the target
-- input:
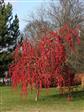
(11, 101)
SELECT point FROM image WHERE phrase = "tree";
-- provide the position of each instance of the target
(9, 28)
(15, 31)
(53, 17)
(36, 66)
(37, 28)
(9, 32)
(69, 12)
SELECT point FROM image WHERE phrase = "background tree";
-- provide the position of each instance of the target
(9, 32)
(37, 26)
(69, 12)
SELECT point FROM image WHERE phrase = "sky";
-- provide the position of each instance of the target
(24, 8)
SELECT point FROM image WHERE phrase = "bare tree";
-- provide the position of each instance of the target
(38, 27)
(68, 11)
(56, 15)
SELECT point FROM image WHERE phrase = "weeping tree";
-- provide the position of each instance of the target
(34, 66)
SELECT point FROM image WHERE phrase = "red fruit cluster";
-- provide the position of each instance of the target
(35, 66)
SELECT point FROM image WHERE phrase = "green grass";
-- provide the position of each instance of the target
(11, 101)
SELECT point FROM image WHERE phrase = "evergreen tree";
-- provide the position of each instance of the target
(9, 32)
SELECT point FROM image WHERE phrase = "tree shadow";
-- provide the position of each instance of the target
(78, 95)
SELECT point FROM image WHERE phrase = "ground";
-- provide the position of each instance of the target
(12, 101)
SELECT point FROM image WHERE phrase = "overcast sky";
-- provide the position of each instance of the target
(24, 8)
